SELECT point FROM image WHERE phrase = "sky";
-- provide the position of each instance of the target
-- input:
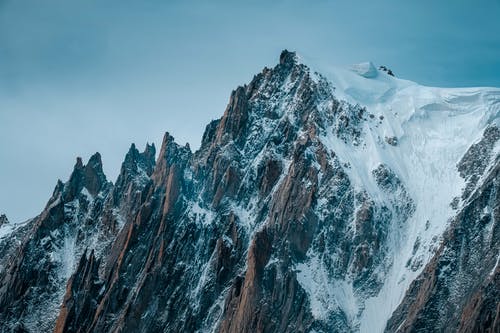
(80, 76)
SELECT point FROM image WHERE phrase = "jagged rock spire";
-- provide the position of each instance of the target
(135, 171)
(171, 156)
(145, 160)
(90, 176)
(287, 58)
(94, 175)
(3, 220)
(235, 117)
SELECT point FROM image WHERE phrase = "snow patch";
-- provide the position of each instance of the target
(201, 215)
(495, 267)
(9, 228)
(326, 295)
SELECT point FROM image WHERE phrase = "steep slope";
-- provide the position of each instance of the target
(244, 212)
(459, 288)
(317, 203)
(427, 131)
(82, 213)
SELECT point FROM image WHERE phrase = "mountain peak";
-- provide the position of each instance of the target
(170, 155)
(94, 175)
(167, 143)
(78, 164)
(294, 195)
(3, 219)
(145, 160)
(150, 149)
(90, 176)
(95, 162)
(288, 58)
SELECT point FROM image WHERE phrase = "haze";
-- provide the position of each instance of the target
(82, 76)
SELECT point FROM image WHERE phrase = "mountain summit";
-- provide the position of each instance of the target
(337, 200)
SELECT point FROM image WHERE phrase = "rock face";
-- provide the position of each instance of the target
(295, 215)
(73, 316)
(82, 213)
(3, 220)
(387, 70)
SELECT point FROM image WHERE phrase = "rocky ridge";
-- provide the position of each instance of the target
(274, 214)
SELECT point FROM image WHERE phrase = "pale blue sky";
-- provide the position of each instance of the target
(79, 76)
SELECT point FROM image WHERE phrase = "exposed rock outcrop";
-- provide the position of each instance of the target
(79, 305)
(3, 219)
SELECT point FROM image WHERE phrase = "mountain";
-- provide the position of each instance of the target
(334, 200)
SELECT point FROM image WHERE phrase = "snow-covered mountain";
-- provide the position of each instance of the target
(323, 200)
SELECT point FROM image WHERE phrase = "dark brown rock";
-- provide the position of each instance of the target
(79, 304)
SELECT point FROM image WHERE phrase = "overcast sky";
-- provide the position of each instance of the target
(80, 76)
